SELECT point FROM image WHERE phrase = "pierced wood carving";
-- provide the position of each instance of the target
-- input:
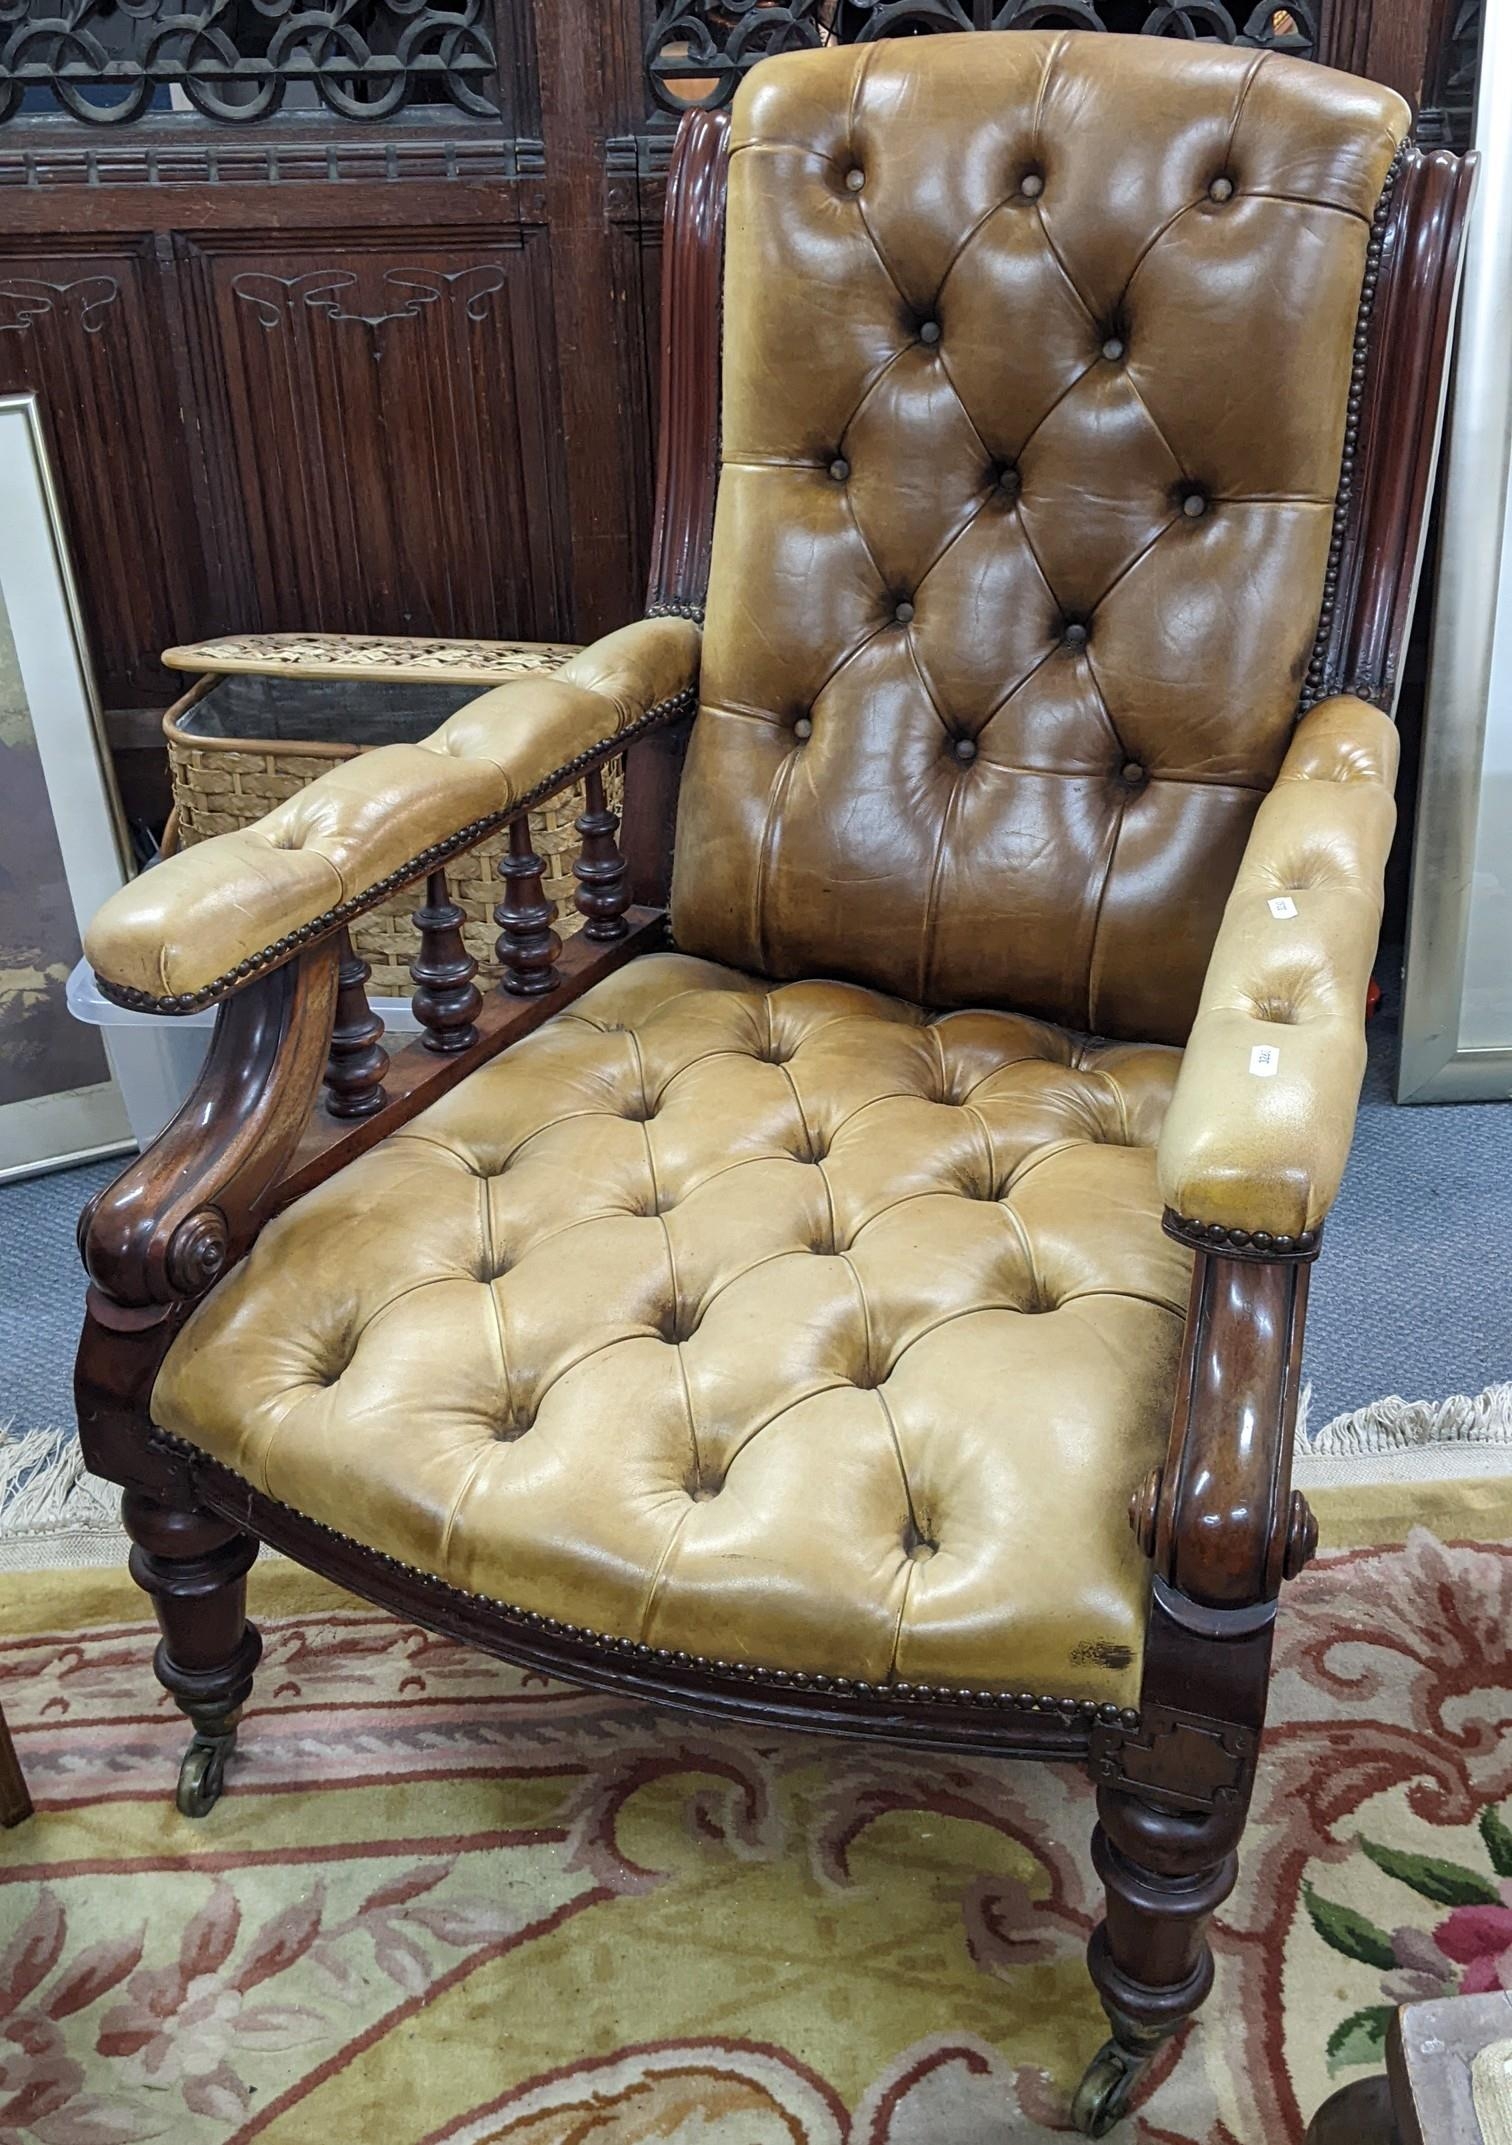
(698, 50)
(363, 59)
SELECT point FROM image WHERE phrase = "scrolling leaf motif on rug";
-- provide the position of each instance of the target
(504, 1913)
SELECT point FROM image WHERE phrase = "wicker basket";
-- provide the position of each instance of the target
(272, 711)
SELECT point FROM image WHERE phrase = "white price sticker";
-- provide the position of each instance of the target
(1283, 906)
(1265, 1061)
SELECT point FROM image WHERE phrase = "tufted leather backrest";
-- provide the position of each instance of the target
(1038, 349)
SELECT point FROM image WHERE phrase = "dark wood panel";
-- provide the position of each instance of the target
(91, 190)
(83, 327)
(1423, 48)
(381, 429)
(589, 62)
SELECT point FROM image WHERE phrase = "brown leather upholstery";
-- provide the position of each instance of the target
(788, 1325)
(189, 922)
(1037, 351)
(1259, 1129)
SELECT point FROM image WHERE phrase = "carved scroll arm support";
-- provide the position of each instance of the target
(1219, 1519)
(172, 1222)
(185, 1210)
(1223, 1527)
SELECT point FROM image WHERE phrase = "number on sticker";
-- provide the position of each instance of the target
(1283, 906)
(1265, 1060)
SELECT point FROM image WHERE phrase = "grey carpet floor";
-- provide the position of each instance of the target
(1412, 1293)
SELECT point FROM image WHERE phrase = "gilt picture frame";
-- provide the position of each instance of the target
(63, 844)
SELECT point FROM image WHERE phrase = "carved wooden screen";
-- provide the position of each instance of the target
(697, 50)
(109, 62)
(344, 316)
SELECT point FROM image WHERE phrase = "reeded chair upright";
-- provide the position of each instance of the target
(780, 1307)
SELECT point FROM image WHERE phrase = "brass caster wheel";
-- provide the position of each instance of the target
(1102, 2098)
(203, 1773)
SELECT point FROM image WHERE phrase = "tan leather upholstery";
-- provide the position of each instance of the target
(780, 1321)
(786, 1325)
(194, 917)
(986, 711)
(1259, 1130)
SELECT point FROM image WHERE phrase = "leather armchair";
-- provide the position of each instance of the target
(781, 1303)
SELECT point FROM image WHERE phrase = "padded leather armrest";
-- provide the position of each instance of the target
(188, 930)
(1258, 1131)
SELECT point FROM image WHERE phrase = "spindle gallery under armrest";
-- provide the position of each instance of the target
(209, 919)
(415, 1077)
(461, 1028)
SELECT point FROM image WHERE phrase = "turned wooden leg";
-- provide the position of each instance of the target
(1163, 1874)
(1360, 2113)
(195, 1568)
(15, 1803)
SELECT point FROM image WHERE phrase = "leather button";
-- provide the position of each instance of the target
(855, 179)
(839, 469)
(803, 729)
(1031, 185)
(1133, 773)
(1076, 634)
(965, 750)
(903, 612)
(1193, 504)
(929, 331)
(1221, 190)
(1008, 480)
(1113, 348)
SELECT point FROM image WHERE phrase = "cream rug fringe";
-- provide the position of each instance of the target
(1396, 1440)
(62, 1516)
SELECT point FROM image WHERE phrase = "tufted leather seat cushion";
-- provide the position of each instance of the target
(789, 1325)
(1037, 364)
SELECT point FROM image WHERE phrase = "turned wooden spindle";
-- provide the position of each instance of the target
(603, 891)
(358, 1060)
(446, 1000)
(527, 946)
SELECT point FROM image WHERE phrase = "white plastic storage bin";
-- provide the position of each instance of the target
(155, 1057)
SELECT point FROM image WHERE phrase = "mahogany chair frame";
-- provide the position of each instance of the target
(1219, 1520)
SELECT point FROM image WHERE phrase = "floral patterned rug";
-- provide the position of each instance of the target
(447, 1903)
